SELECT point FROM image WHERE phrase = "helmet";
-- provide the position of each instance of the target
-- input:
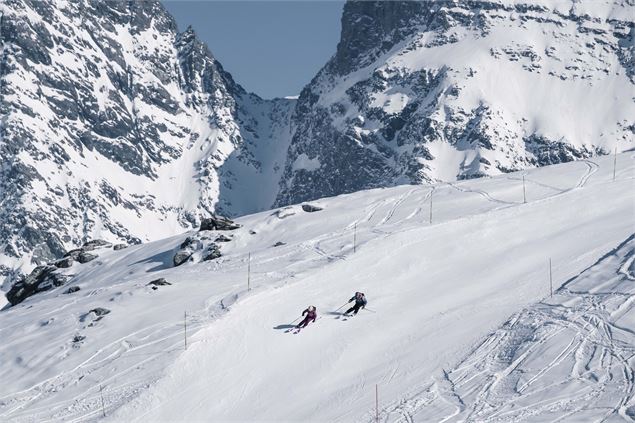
(311, 308)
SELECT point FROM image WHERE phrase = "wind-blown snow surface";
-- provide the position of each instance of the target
(570, 356)
(436, 291)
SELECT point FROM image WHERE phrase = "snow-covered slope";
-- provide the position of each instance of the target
(446, 90)
(436, 290)
(117, 126)
(568, 356)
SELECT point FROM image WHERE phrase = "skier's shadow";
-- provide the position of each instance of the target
(284, 327)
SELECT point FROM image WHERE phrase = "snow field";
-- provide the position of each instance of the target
(438, 289)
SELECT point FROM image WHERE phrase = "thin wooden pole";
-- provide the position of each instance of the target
(249, 272)
(101, 394)
(376, 403)
(355, 237)
(550, 279)
(185, 328)
(614, 163)
(524, 192)
(431, 206)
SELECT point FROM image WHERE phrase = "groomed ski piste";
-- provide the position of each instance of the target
(462, 327)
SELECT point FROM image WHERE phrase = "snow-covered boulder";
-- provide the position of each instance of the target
(85, 257)
(218, 223)
(96, 243)
(159, 282)
(181, 257)
(310, 208)
(284, 212)
(72, 289)
(64, 263)
(222, 238)
(42, 278)
(212, 252)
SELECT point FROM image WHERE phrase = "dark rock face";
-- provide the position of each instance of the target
(64, 263)
(211, 253)
(99, 311)
(187, 249)
(94, 315)
(218, 223)
(181, 257)
(118, 247)
(222, 238)
(310, 208)
(72, 289)
(78, 338)
(193, 243)
(197, 248)
(279, 244)
(96, 243)
(284, 212)
(42, 278)
(74, 254)
(370, 28)
(85, 257)
(159, 282)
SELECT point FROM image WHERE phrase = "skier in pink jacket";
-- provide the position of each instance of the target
(311, 315)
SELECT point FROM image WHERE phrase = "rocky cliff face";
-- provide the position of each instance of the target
(422, 91)
(116, 125)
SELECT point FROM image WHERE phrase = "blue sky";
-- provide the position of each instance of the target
(272, 48)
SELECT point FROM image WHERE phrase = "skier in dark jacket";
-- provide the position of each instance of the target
(360, 302)
(311, 315)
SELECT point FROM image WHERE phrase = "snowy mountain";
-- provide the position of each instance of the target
(446, 90)
(117, 126)
(436, 337)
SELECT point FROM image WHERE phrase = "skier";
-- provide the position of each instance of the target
(311, 315)
(360, 302)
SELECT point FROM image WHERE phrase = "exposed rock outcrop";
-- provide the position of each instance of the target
(42, 278)
(218, 223)
(310, 208)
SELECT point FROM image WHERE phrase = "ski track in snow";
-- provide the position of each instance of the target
(571, 348)
(394, 208)
(592, 167)
(482, 193)
(491, 384)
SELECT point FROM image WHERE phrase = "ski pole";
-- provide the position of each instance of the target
(368, 309)
(343, 305)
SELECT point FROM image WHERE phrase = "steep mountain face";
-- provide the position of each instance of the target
(115, 125)
(422, 91)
